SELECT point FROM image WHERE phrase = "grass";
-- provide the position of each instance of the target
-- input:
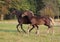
(8, 33)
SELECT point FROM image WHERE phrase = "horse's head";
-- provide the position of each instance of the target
(12, 10)
(28, 13)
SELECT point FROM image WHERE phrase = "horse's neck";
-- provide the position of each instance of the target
(18, 14)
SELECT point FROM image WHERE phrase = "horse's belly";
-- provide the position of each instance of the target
(41, 22)
(33, 21)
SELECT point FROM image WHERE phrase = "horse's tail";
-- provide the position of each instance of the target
(52, 21)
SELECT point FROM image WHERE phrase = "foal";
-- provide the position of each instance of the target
(39, 20)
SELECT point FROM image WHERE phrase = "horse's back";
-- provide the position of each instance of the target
(40, 20)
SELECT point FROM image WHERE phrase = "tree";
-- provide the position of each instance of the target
(54, 5)
(4, 4)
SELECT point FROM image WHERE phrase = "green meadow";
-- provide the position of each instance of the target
(8, 33)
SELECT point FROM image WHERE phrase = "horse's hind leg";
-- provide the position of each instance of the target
(17, 27)
(50, 29)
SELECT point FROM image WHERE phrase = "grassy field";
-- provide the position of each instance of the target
(8, 33)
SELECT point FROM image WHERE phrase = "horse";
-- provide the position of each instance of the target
(39, 20)
(21, 20)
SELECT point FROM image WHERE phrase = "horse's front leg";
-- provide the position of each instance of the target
(29, 28)
(37, 29)
(17, 27)
(22, 28)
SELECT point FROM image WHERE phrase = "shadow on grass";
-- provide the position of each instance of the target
(4, 30)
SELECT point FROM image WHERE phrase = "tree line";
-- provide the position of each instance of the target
(44, 7)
